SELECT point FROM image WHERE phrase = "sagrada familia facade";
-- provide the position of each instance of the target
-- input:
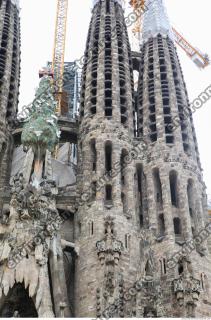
(124, 232)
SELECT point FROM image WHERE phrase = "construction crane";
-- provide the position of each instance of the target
(56, 70)
(201, 60)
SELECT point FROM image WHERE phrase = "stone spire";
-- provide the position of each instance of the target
(105, 138)
(170, 179)
(156, 20)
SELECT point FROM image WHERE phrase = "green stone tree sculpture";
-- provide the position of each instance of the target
(41, 132)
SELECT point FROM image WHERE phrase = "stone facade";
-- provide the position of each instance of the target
(9, 81)
(124, 233)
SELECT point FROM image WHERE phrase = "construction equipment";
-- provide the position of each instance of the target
(56, 71)
(201, 60)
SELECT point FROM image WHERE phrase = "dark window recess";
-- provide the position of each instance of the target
(180, 268)
(141, 220)
(158, 186)
(108, 157)
(164, 266)
(94, 190)
(173, 188)
(108, 193)
(161, 224)
(177, 226)
(93, 155)
(107, 6)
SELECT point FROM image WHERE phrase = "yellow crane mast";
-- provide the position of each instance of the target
(200, 59)
(59, 49)
(57, 67)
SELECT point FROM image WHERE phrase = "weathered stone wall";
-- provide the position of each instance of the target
(9, 80)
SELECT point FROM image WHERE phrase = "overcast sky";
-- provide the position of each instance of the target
(191, 18)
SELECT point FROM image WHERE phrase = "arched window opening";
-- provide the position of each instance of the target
(164, 266)
(94, 190)
(108, 194)
(158, 188)
(190, 193)
(141, 220)
(177, 226)
(108, 156)
(93, 154)
(202, 281)
(91, 228)
(18, 304)
(123, 165)
(161, 267)
(149, 312)
(124, 202)
(180, 268)
(148, 270)
(142, 197)
(107, 6)
(173, 188)
(161, 225)
(127, 241)
(124, 153)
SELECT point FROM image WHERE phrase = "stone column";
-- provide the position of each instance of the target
(152, 211)
(184, 208)
(167, 206)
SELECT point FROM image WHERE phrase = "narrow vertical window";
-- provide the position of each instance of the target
(108, 156)
(202, 281)
(93, 155)
(161, 225)
(190, 193)
(127, 241)
(173, 188)
(180, 268)
(122, 168)
(164, 266)
(123, 201)
(124, 190)
(177, 226)
(108, 193)
(107, 6)
(91, 228)
(158, 188)
(142, 197)
(94, 190)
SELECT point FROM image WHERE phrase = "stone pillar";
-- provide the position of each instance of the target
(152, 211)
(167, 206)
(184, 208)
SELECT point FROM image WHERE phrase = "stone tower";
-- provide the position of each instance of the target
(176, 198)
(9, 79)
(140, 225)
(106, 214)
